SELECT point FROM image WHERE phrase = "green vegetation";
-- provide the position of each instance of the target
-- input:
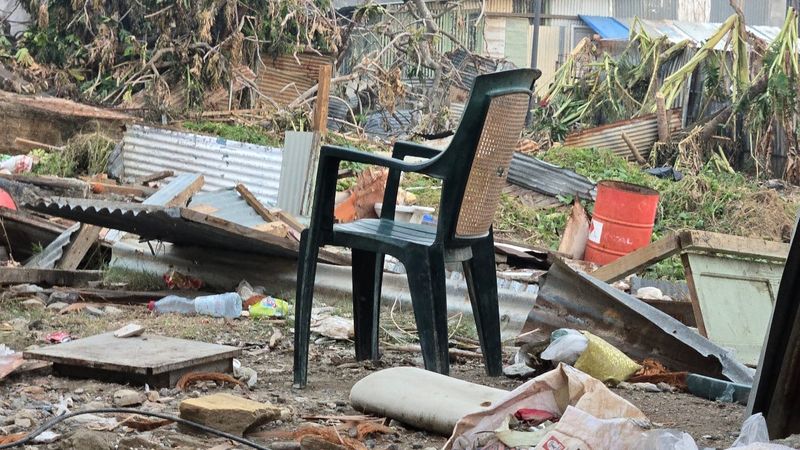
(251, 134)
(134, 280)
(712, 200)
(84, 154)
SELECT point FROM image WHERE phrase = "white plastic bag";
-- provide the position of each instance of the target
(567, 347)
(754, 430)
(667, 440)
(17, 164)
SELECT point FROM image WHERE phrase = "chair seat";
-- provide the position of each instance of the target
(383, 231)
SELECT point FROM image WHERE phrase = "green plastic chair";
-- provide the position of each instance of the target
(473, 171)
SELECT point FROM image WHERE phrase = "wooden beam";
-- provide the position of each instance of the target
(639, 259)
(704, 241)
(27, 143)
(121, 189)
(178, 191)
(154, 177)
(698, 313)
(251, 200)
(632, 147)
(320, 121)
(57, 277)
(80, 244)
(290, 220)
(68, 187)
(662, 117)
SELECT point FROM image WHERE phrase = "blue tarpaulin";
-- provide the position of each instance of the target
(607, 27)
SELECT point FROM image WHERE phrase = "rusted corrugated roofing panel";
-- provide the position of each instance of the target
(643, 131)
(284, 78)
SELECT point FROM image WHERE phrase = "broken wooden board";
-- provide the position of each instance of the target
(54, 185)
(79, 245)
(156, 360)
(52, 277)
(639, 259)
(724, 244)
(257, 206)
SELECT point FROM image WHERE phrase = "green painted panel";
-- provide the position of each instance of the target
(736, 298)
(517, 49)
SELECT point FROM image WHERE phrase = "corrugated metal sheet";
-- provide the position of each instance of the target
(223, 163)
(494, 34)
(607, 27)
(546, 178)
(517, 46)
(568, 298)
(573, 7)
(696, 33)
(168, 224)
(645, 9)
(500, 6)
(228, 205)
(297, 168)
(47, 258)
(284, 78)
(548, 56)
(643, 131)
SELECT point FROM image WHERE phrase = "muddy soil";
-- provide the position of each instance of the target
(333, 371)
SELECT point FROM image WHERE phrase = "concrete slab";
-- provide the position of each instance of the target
(156, 360)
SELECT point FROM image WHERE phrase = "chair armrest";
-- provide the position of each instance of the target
(327, 175)
(404, 148)
(348, 154)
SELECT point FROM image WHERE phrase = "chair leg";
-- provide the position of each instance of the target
(426, 280)
(367, 279)
(306, 273)
(482, 285)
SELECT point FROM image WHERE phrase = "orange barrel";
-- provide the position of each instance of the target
(623, 220)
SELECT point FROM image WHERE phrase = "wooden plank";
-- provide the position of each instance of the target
(320, 121)
(290, 220)
(28, 219)
(80, 244)
(639, 259)
(178, 191)
(255, 204)
(68, 187)
(121, 189)
(154, 177)
(693, 240)
(241, 230)
(141, 354)
(634, 151)
(57, 277)
(31, 145)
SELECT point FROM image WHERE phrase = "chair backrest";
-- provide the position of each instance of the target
(480, 153)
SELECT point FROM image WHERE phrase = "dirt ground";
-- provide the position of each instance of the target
(333, 370)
